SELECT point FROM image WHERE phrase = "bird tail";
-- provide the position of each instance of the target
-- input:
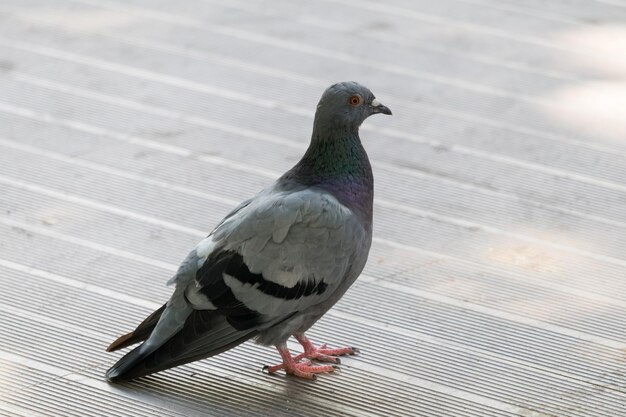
(119, 371)
(141, 333)
(203, 333)
(157, 328)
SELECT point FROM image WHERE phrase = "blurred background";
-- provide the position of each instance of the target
(496, 282)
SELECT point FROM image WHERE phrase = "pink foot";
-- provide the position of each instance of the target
(321, 354)
(302, 369)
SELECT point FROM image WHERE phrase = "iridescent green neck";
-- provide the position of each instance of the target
(337, 163)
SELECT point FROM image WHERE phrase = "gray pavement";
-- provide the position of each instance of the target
(496, 284)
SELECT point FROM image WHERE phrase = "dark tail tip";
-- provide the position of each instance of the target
(113, 375)
(125, 368)
(115, 378)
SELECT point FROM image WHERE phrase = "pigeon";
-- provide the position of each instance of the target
(278, 262)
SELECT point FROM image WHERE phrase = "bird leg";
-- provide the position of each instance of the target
(321, 353)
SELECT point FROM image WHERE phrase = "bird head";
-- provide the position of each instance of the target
(346, 105)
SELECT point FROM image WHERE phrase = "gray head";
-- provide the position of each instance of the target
(346, 105)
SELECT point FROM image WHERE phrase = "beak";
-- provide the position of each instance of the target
(378, 107)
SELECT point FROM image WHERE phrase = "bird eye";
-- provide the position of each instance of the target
(355, 100)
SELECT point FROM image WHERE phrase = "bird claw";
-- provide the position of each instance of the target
(323, 352)
(303, 369)
(297, 359)
(307, 371)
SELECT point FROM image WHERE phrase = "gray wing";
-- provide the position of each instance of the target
(282, 253)
(275, 255)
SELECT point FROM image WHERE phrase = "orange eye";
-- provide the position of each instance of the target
(355, 100)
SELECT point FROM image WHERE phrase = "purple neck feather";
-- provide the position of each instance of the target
(338, 164)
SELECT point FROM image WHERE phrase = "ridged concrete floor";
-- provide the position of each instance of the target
(496, 285)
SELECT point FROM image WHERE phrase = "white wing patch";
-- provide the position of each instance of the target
(198, 301)
(263, 303)
(204, 249)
